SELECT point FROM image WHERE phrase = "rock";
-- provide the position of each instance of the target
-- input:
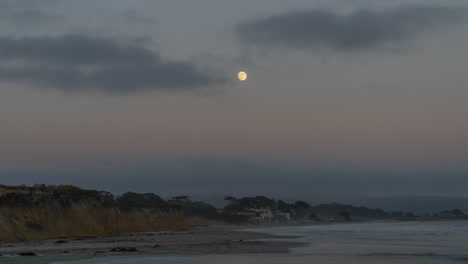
(26, 254)
(124, 249)
(156, 246)
(85, 237)
(99, 252)
(61, 242)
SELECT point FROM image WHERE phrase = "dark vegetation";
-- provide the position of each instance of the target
(344, 212)
(63, 196)
(64, 211)
(66, 195)
(301, 210)
(278, 208)
(194, 208)
(236, 209)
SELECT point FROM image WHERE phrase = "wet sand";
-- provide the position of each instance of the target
(209, 240)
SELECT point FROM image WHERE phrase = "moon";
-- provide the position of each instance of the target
(242, 76)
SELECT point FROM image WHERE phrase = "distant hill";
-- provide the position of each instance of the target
(419, 205)
(335, 211)
(215, 200)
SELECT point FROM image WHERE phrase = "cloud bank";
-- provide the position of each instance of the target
(214, 176)
(28, 13)
(361, 30)
(75, 63)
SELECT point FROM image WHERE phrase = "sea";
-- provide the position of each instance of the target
(378, 242)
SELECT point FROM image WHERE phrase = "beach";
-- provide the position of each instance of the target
(206, 240)
(338, 243)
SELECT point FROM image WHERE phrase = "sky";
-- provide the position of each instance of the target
(365, 97)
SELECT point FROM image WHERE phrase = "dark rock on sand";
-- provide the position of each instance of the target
(26, 254)
(124, 249)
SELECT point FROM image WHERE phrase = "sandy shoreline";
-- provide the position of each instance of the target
(209, 240)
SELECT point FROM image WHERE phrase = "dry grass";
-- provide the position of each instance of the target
(21, 224)
(86, 218)
(4, 190)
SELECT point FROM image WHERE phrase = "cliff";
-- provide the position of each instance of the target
(28, 213)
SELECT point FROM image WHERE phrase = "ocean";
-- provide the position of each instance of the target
(403, 242)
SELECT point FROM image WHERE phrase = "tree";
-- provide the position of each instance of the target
(445, 213)
(106, 198)
(283, 206)
(345, 216)
(314, 216)
(409, 214)
(397, 214)
(138, 200)
(257, 202)
(457, 213)
(301, 204)
(230, 199)
(299, 209)
(200, 208)
(233, 208)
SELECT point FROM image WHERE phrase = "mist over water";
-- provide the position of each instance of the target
(415, 242)
(410, 242)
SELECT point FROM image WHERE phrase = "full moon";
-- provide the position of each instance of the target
(242, 76)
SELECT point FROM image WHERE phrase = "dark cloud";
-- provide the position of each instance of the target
(30, 18)
(28, 13)
(83, 63)
(24, 4)
(360, 30)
